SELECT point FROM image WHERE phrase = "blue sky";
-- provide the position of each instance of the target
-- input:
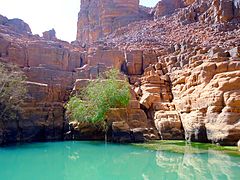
(47, 14)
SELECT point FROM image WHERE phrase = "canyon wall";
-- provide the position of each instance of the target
(183, 68)
(186, 77)
(97, 19)
(54, 69)
(48, 66)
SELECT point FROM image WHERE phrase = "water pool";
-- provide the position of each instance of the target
(100, 161)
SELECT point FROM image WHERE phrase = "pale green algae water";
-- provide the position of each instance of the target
(100, 161)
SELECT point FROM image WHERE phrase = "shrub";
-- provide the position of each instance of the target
(106, 92)
(12, 90)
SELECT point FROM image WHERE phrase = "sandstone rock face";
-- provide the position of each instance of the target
(114, 58)
(212, 10)
(49, 67)
(183, 68)
(202, 102)
(129, 125)
(54, 55)
(50, 35)
(97, 19)
(197, 49)
(156, 97)
(166, 7)
(207, 100)
(41, 116)
(169, 125)
(124, 124)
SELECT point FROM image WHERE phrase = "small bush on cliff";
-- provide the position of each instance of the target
(12, 90)
(106, 92)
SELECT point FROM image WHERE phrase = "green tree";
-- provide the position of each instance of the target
(12, 90)
(92, 104)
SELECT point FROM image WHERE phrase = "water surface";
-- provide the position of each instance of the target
(96, 160)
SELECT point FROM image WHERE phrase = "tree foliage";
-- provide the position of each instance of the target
(12, 90)
(106, 92)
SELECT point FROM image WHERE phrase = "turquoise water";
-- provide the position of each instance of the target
(96, 160)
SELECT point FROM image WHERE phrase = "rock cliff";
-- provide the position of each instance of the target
(168, 61)
(182, 59)
(49, 67)
(97, 19)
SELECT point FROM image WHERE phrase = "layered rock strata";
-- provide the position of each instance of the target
(183, 68)
(199, 52)
(97, 19)
(52, 68)
(49, 67)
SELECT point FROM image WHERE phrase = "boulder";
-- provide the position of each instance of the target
(148, 99)
(121, 132)
(169, 125)
(129, 125)
(84, 131)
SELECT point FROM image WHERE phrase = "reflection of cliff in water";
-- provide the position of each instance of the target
(206, 165)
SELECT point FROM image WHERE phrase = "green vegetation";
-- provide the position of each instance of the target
(12, 90)
(92, 104)
(183, 147)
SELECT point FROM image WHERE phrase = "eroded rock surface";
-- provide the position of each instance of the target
(50, 35)
(183, 67)
(97, 19)
(167, 7)
(49, 67)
